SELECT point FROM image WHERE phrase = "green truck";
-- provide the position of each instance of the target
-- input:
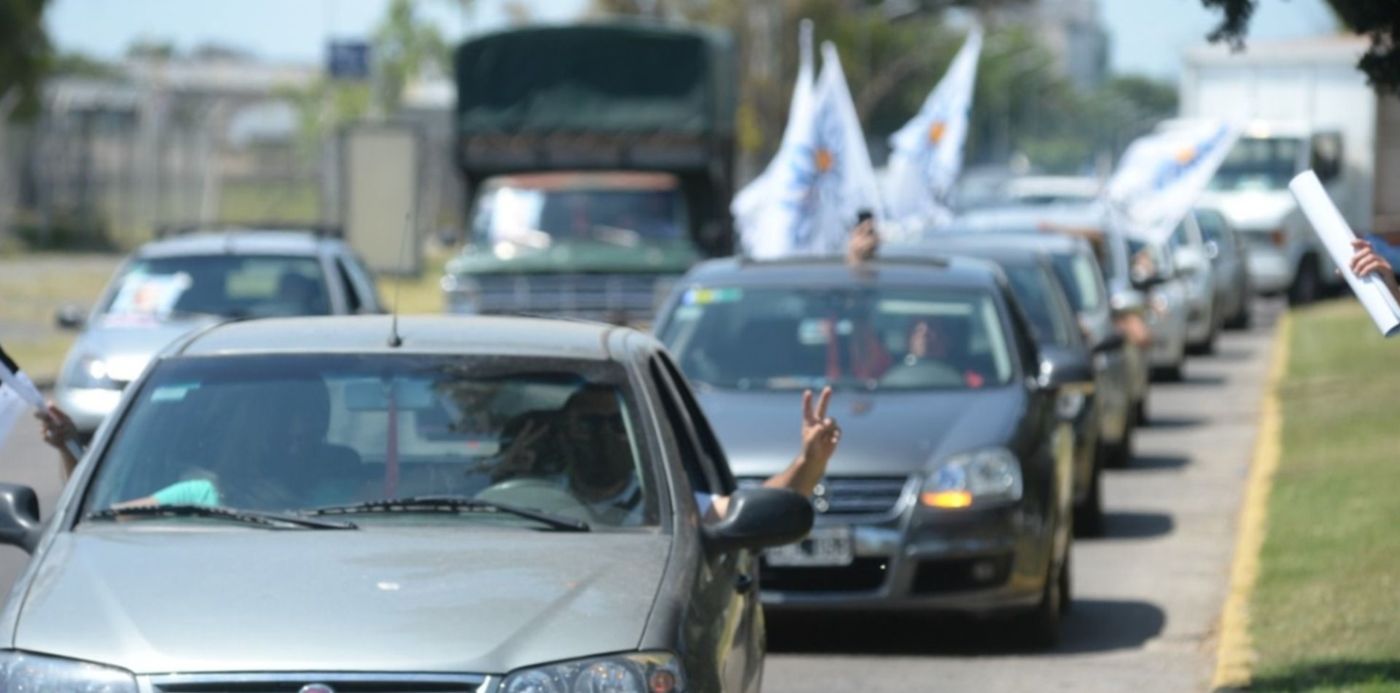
(599, 165)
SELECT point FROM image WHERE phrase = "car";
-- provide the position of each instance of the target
(1044, 270)
(1101, 302)
(185, 281)
(1229, 259)
(1156, 273)
(1192, 260)
(486, 504)
(953, 487)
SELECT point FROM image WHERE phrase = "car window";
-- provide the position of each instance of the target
(1081, 280)
(297, 432)
(714, 457)
(898, 338)
(1035, 289)
(702, 478)
(353, 304)
(225, 285)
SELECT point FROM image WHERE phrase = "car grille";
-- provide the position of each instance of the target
(294, 683)
(609, 297)
(862, 575)
(852, 495)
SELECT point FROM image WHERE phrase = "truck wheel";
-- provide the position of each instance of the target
(1306, 285)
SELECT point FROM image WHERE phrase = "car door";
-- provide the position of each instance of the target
(726, 601)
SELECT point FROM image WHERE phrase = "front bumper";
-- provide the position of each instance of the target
(970, 561)
(1270, 269)
(88, 407)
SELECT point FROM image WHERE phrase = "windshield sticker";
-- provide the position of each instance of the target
(172, 393)
(150, 294)
(704, 297)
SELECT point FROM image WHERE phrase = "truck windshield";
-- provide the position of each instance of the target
(532, 214)
(1258, 163)
(859, 338)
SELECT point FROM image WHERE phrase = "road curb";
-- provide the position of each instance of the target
(1234, 659)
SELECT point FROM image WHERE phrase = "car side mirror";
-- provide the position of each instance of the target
(1326, 155)
(1113, 342)
(1064, 367)
(1212, 250)
(69, 317)
(19, 517)
(760, 518)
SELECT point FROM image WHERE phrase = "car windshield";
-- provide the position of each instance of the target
(1258, 163)
(294, 433)
(1035, 289)
(1080, 277)
(538, 217)
(886, 338)
(224, 285)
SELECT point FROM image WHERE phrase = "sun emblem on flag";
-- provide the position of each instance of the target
(823, 160)
(936, 131)
(1185, 155)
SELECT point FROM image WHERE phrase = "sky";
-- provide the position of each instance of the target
(1147, 35)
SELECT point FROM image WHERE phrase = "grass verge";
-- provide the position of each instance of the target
(1325, 612)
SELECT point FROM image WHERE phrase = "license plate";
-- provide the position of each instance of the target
(824, 546)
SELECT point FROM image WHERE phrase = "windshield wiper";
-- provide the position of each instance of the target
(252, 517)
(454, 504)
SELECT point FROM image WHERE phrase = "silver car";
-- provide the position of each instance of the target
(474, 504)
(1229, 259)
(1168, 304)
(1191, 255)
(172, 286)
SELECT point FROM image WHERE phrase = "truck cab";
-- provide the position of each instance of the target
(597, 175)
(1251, 190)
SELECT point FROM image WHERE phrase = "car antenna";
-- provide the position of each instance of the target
(395, 341)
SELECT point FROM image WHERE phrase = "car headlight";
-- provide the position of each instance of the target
(463, 294)
(21, 671)
(647, 672)
(974, 478)
(91, 372)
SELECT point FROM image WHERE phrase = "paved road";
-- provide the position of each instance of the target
(1147, 596)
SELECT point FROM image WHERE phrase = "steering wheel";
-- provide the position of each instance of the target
(535, 493)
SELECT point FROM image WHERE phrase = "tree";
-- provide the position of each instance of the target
(24, 57)
(405, 47)
(1378, 19)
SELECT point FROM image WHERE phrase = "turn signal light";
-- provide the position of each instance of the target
(946, 499)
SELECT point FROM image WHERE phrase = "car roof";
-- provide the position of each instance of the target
(239, 242)
(1014, 247)
(420, 334)
(918, 266)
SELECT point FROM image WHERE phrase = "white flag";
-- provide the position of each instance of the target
(821, 178)
(926, 154)
(1161, 175)
(752, 206)
(17, 394)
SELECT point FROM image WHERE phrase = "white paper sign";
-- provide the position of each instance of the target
(1328, 224)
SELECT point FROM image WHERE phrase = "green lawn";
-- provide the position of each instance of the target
(1325, 614)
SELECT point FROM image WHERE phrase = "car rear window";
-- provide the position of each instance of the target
(867, 338)
(222, 285)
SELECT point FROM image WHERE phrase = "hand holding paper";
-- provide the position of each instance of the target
(1337, 238)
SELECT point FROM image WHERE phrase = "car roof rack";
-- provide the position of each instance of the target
(319, 230)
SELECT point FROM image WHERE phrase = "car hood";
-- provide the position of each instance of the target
(466, 599)
(892, 433)
(127, 346)
(1254, 210)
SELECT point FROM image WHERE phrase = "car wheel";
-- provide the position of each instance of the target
(1088, 513)
(1120, 454)
(1305, 286)
(1242, 317)
(1040, 628)
(1140, 412)
(1169, 374)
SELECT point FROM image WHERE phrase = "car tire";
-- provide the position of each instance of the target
(1169, 374)
(1140, 413)
(1088, 513)
(1040, 627)
(1307, 285)
(1120, 455)
(1242, 318)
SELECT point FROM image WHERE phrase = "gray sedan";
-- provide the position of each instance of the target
(952, 490)
(485, 504)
